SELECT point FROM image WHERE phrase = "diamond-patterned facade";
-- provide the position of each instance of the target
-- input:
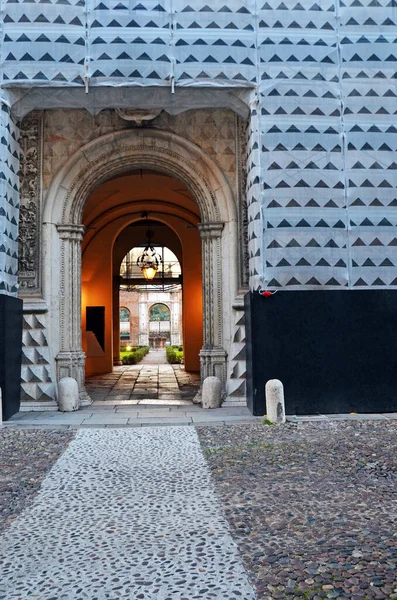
(321, 185)
(9, 201)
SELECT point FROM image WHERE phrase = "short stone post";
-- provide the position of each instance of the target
(212, 392)
(68, 394)
(275, 407)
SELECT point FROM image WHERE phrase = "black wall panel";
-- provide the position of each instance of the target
(10, 353)
(334, 351)
(95, 322)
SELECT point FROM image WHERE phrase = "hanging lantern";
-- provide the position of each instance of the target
(149, 261)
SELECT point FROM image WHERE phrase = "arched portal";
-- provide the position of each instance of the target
(110, 156)
(159, 315)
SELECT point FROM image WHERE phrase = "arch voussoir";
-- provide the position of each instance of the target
(120, 152)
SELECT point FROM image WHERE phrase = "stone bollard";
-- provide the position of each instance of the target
(68, 394)
(212, 392)
(275, 407)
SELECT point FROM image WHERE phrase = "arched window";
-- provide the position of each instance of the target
(159, 312)
(159, 325)
(124, 315)
(124, 324)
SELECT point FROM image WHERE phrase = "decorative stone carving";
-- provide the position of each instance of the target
(30, 194)
(71, 359)
(241, 155)
(37, 384)
(212, 355)
(236, 384)
(138, 116)
(110, 156)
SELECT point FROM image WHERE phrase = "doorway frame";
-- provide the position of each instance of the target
(109, 156)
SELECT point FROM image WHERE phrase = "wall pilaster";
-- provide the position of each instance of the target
(212, 355)
(70, 360)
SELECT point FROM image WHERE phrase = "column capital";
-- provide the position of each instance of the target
(210, 230)
(71, 231)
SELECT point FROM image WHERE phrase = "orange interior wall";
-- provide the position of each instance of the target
(192, 299)
(97, 291)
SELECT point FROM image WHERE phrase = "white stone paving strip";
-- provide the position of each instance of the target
(124, 513)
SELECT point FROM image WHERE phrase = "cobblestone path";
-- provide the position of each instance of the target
(312, 506)
(26, 456)
(124, 513)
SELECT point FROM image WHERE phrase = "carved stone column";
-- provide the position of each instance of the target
(212, 355)
(70, 360)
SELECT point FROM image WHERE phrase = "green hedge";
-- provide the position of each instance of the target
(135, 356)
(174, 354)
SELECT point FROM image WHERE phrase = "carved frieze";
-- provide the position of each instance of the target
(30, 194)
(241, 153)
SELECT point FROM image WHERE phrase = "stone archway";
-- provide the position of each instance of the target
(107, 157)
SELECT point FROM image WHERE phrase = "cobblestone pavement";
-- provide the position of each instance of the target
(152, 379)
(26, 456)
(312, 506)
(124, 513)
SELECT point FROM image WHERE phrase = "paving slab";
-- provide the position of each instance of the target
(107, 421)
(154, 421)
(145, 380)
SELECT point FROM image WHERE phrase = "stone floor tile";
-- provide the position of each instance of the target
(147, 414)
(164, 420)
(125, 403)
(105, 419)
(159, 412)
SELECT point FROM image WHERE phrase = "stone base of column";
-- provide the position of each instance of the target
(213, 364)
(85, 398)
(71, 364)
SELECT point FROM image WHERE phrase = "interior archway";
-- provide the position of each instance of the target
(115, 218)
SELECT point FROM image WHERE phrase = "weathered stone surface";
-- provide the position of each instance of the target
(212, 392)
(275, 407)
(68, 394)
(26, 456)
(66, 130)
(310, 505)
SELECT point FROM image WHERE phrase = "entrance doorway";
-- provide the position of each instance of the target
(164, 313)
(79, 209)
(154, 306)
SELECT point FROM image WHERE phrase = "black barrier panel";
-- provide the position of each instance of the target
(95, 322)
(10, 354)
(334, 351)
